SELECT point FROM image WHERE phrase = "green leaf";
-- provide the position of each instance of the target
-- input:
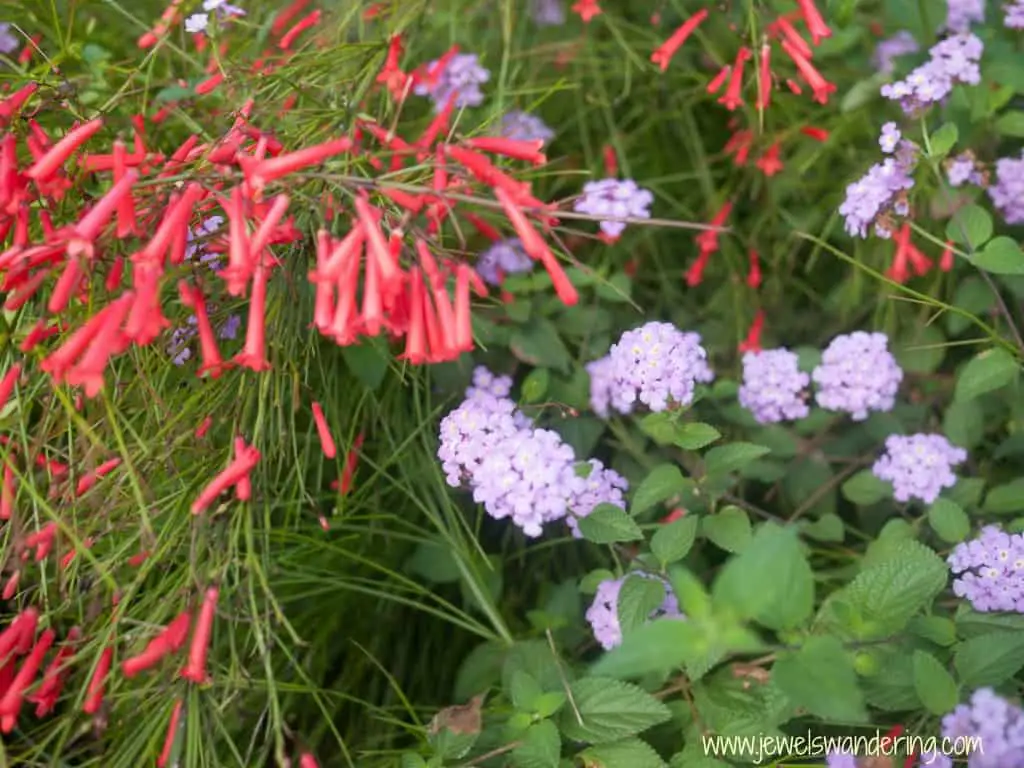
(821, 679)
(412, 760)
(865, 489)
(922, 349)
(535, 385)
(892, 688)
(989, 659)
(590, 582)
(607, 524)
(973, 296)
(729, 529)
(549, 703)
(540, 747)
(826, 528)
(937, 629)
(985, 372)
(672, 541)
(971, 226)
(1005, 499)
(1011, 124)
(480, 670)
(862, 92)
(770, 581)
(628, 753)
(1001, 256)
(695, 435)
(948, 519)
(728, 458)
(618, 288)
(434, 562)
(964, 423)
(538, 343)
(943, 140)
(934, 685)
(694, 756)
(524, 690)
(639, 597)
(663, 482)
(656, 646)
(967, 492)
(368, 361)
(611, 710)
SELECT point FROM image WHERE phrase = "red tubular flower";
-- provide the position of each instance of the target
(716, 82)
(535, 246)
(351, 462)
(126, 221)
(376, 246)
(663, 55)
(85, 232)
(243, 488)
(769, 162)
(695, 274)
(11, 586)
(708, 239)
(412, 203)
(268, 228)
(739, 143)
(416, 335)
(18, 637)
(392, 76)
(285, 15)
(172, 732)
(587, 9)
(175, 218)
(47, 165)
(10, 704)
(167, 642)
(87, 481)
(209, 84)
(204, 427)
(324, 302)
(193, 299)
(167, 19)
(795, 39)
(815, 23)
(306, 760)
(136, 560)
(946, 260)
(7, 383)
(514, 148)
(7, 491)
(88, 372)
(238, 469)
(754, 273)
(310, 20)
(47, 694)
(753, 341)
(239, 267)
(764, 84)
(258, 173)
(463, 322)
(324, 432)
(254, 355)
(195, 670)
(15, 101)
(672, 516)
(94, 694)
(821, 87)
(818, 134)
(437, 126)
(42, 540)
(794, 86)
(733, 96)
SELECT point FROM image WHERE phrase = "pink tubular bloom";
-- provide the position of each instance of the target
(193, 298)
(764, 81)
(515, 148)
(254, 355)
(86, 231)
(10, 704)
(195, 669)
(733, 96)
(815, 23)
(49, 163)
(324, 432)
(7, 383)
(172, 732)
(94, 695)
(234, 473)
(663, 55)
(821, 87)
(261, 172)
(718, 80)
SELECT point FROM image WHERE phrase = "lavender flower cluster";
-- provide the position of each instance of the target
(773, 384)
(989, 570)
(199, 22)
(603, 613)
(460, 79)
(963, 169)
(952, 61)
(547, 13)
(857, 374)
(998, 723)
(1014, 14)
(918, 466)
(515, 470)
(8, 42)
(505, 257)
(883, 189)
(888, 50)
(616, 199)
(522, 126)
(960, 14)
(1007, 191)
(656, 365)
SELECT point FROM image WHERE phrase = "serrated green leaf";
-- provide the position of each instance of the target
(540, 747)
(656, 646)
(729, 458)
(608, 524)
(639, 597)
(618, 288)
(922, 349)
(733, 706)
(611, 710)
(694, 435)
(934, 685)
(673, 541)
(948, 519)
(892, 687)
(628, 753)
(729, 529)
(1005, 499)
(523, 690)
(987, 371)
(821, 679)
(547, 704)
(770, 581)
(865, 489)
(1000, 256)
(479, 670)
(971, 226)
(989, 659)
(661, 483)
(694, 756)
(967, 492)
(943, 140)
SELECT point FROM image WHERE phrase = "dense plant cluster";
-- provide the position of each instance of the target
(306, 462)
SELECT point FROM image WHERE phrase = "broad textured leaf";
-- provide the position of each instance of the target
(695, 756)
(480, 670)
(694, 435)
(729, 458)
(611, 710)
(964, 423)
(535, 385)
(937, 629)
(892, 687)
(987, 371)
(734, 706)
(948, 519)
(729, 529)
(826, 528)
(1005, 499)
(820, 678)
(1011, 124)
(536, 659)
(607, 524)
(934, 685)
(943, 139)
(628, 753)
(970, 226)
(663, 482)
(922, 349)
(866, 489)
(656, 646)
(639, 597)
(524, 690)
(770, 581)
(673, 541)
(540, 747)
(1000, 256)
(989, 659)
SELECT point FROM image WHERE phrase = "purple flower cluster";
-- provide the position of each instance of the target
(989, 570)
(8, 42)
(960, 14)
(505, 257)
(883, 188)
(888, 50)
(1014, 11)
(1007, 191)
(196, 242)
(602, 485)
(614, 198)
(515, 470)
(963, 169)
(461, 77)
(840, 760)
(180, 345)
(918, 466)
(603, 613)
(522, 126)
(772, 388)
(998, 726)
(953, 60)
(547, 13)
(857, 374)
(199, 22)
(655, 364)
